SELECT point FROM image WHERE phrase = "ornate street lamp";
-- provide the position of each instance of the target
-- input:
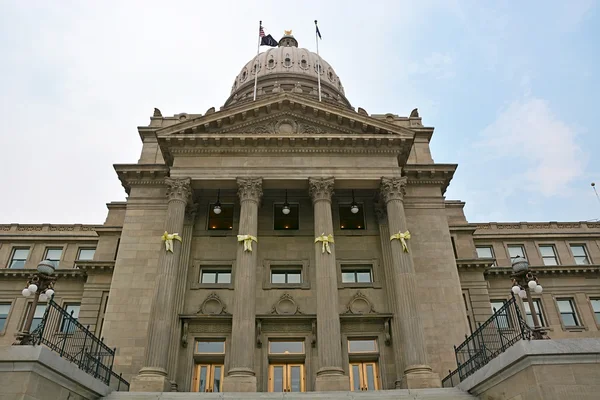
(41, 285)
(286, 206)
(217, 206)
(524, 281)
(353, 205)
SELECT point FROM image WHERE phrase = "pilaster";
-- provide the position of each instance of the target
(241, 376)
(330, 375)
(153, 377)
(407, 327)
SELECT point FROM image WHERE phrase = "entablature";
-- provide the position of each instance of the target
(430, 174)
(141, 174)
(549, 270)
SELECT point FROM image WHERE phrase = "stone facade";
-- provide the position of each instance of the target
(414, 303)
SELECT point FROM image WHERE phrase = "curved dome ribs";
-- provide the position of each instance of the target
(287, 68)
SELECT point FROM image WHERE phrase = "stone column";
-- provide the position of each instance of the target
(153, 377)
(241, 376)
(330, 376)
(182, 279)
(406, 324)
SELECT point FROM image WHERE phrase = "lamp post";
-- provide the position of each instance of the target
(524, 281)
(41, 285)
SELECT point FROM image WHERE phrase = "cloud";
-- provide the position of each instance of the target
(527, 132)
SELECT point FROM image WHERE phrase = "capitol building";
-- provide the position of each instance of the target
(289, 241)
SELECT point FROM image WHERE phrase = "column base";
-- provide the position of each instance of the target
(419, 377)
(239, 383)
(332, 381)
(151, 380)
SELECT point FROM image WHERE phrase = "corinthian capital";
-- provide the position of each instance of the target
(179, 189)
(250, 189)
(320, 188)
(393, 188)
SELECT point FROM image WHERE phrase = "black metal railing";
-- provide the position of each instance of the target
(503, 329)
(62, 333)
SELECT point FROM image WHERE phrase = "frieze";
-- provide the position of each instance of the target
(29, 228)
(205, 327)
(361, 327)
(268, 326)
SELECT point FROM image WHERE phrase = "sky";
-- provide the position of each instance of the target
(513, 91)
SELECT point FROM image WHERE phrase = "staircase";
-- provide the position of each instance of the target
(403, 394)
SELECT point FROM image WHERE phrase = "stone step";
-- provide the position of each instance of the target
(402, 394)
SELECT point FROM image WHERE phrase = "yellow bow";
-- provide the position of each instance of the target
(325, 240)
(247, 239)
(168, 239)
(402, 237)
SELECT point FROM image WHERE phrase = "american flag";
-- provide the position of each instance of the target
(261, 32)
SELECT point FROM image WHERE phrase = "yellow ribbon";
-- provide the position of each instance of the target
(168, 239)
(402, 237)
(325, 240)
(247, 239)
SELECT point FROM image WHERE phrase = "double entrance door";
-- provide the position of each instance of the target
(364, 376)
(286, 378)
(208, 378)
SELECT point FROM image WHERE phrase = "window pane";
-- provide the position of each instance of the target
(286, 347)
(497, 304)
(363, 276)
(581, 260)
(53, 254)
(596, 308)
(17, 264)
(278, 277)
(210, 347)
(565, 306)
(348, 277)
(278, 378)
(295, 377)
(67, 325)
(4, 309)
(358, 346)
(568, 319)
(20, 254)
(224, 277)
(217, 379)
(484, 252)
(209, 277)
(370, 377)
(202, 385)
(516, 251)
(355, 377)
(86, 254)
(547, 251)
(550, 261)
(294, 277)
(578, 250)
(40, 309)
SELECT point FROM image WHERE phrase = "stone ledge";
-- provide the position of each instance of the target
(41, 361)
(524, 354)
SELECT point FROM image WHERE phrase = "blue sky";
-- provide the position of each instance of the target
(513, 91)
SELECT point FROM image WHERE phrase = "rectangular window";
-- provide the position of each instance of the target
(502, 317)
(485, 252)
(350, 220)
(54, 254)
(67, 325)
(286, 276)
(580, 254)
(538, 310)
(357, 275)
(86, 254)
(210, 347)
(548, 253)
(4, 310)
(364, 376)
(595, 308)
(208, 378)
(18, 259)
(222, 221)
(567, 312)
(286, 347)
(286, 222)
(215, 276)
(516, 250)
(362, 346)
(38, 315)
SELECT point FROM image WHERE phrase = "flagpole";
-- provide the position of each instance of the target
(319, 60)
(255, 65)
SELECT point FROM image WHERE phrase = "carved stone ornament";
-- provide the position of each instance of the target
(285, 306)
(184, 334)
(250, 189)
(213, 305)
(359, 304)
(179, 189)
(320, 188)
(393, 188)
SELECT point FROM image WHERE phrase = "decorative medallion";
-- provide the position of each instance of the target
(359, 304)
(286, 126)
(212, 305)
(285, 306)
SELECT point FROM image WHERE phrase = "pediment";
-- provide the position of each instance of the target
(285, 114)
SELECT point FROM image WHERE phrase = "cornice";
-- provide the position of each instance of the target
(552, 225)
(463, 228)
(19, 229)
(430, 174)
(26, 273)
(474, 263)
(109, 229)
(141, 174)
(95, 266)
(550, 270)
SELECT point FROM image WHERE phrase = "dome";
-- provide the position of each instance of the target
(287, 68)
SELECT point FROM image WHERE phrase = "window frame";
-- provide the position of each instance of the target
(542, 314)
(521, 245)
(209, 340)
(269, 265)
(542, 257)
(62, 253)
(361, 207)
(286, 340)
(12, 255)
(217, 271)
(585, 250)
(280, 204)
(214, 265)
(590, 299)
(220, 232)
(363, 339)
(506, 315)
(489, 246)
(85, 248)
(65, 304)
(580, 325)
(11, 307)
(372, 264)
(281, 270)
(26, 311)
